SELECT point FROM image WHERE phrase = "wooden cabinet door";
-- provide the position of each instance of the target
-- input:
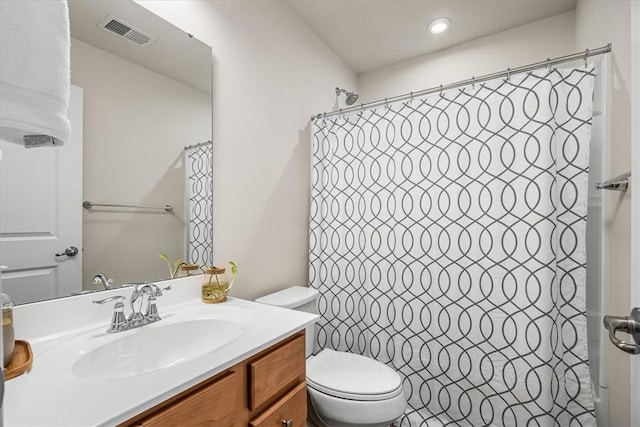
(292, 407)
(275, 371)
(212, 405)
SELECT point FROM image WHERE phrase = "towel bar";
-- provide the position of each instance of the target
(88, 205)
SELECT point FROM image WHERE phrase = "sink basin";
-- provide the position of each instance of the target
(154, 347)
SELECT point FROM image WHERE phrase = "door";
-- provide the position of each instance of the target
(41, 215)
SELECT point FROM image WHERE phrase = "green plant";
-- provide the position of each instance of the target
(173, 272)
(234, 270)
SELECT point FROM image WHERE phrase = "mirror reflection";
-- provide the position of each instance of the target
(140, 113)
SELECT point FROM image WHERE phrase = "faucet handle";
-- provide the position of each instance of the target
(118, 320)
(119, 298)
(152, 310)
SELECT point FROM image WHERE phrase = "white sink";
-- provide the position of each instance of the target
(155, 347)
(181, 336)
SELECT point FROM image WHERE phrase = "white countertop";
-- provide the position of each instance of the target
(51, 395)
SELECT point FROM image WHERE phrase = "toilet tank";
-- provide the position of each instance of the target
(298, 298)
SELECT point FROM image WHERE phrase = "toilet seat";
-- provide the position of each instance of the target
(351, 376)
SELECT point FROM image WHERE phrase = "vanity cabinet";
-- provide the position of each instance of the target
(266, 390)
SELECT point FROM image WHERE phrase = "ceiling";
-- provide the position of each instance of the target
(369, 34)
(175, 54)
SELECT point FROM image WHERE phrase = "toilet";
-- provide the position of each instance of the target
(345, 389)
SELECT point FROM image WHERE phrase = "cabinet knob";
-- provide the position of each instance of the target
(287, 423)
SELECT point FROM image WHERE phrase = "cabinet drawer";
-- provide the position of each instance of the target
(292, 406)
(273, 372)
(214, 404)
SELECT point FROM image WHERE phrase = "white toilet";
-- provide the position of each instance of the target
(346, 390)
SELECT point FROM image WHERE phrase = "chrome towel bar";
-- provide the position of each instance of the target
(88, 205)
(619, 183)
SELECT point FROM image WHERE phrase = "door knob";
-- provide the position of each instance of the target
(287, 423)
(71, 251)
(628, 324)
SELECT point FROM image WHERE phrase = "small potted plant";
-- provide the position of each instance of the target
(217, 284)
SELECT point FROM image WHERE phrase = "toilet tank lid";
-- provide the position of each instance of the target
(291, 297)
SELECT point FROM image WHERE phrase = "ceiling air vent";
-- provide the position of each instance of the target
(118, 27)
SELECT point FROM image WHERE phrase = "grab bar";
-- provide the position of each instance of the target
(88, 205)
(619, 183)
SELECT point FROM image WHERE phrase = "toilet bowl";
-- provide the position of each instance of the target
(345, 389)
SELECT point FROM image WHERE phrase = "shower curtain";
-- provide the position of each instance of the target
(447, 239)
(199, 191)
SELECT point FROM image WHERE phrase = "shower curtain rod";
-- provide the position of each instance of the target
(186, 147)
(549, 62)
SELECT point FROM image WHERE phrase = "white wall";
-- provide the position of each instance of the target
(598, 23)
(136, 124)
(522, 45)
(270, 74)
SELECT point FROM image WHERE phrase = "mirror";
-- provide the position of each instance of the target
(141, 93)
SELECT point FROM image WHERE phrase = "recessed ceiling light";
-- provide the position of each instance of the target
(439, 25)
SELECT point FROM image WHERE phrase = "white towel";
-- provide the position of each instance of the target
(34, 68)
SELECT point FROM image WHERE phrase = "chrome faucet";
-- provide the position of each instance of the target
(101, 278)
(137, 318)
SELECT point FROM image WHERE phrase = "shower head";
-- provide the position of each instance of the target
(352, 97)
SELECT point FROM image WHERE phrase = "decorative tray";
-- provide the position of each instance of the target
(21, 362)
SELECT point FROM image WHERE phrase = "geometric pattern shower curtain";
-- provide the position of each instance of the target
(447, 239)
(199, 175)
